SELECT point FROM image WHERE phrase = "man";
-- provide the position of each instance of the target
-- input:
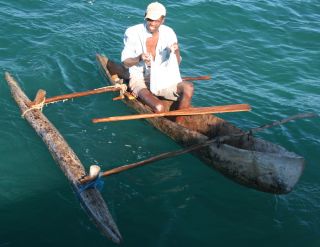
(146, 47)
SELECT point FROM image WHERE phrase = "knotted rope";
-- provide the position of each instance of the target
(96, 183)
(38, 106)
(123, 88)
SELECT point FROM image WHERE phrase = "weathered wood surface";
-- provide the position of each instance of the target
(252, 162)
(68, 161)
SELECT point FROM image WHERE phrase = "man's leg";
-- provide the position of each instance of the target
(118, 69)
(185, 90)
(139, 88)
(149, 99)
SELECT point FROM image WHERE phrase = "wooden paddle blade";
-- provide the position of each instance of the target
(182, 112)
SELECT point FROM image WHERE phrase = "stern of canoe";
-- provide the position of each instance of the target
(266, 170)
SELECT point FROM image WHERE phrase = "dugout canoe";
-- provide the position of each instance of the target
(249, 161)
(90, 199)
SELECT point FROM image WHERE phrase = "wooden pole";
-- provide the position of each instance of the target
(198, 78)
(80, 94)
(182, 112)
(103, 90)
(152, 159)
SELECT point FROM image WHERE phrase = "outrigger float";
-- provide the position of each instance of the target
(90, 198)
(235, 153)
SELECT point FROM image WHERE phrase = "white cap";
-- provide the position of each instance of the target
(155, 10)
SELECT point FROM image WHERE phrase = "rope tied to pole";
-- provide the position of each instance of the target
(97, 183)
(123, 88)
(38, 106)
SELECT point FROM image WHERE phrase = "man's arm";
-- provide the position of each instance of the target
(175, 49)
(129, 62)
(132, 47)
(135, 60)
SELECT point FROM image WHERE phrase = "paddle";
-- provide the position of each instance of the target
(182, 112)
(95, 170)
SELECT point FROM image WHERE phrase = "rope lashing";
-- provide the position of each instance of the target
(96, 183)
(123, 88)
(38, 106)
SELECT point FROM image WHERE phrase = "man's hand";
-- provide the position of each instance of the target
(174, 47)
(146, 58)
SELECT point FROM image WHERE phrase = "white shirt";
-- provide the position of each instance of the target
(135, 39)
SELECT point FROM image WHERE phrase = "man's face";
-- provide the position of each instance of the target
(153, 25)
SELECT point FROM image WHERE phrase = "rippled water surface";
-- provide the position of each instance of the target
(265, 53)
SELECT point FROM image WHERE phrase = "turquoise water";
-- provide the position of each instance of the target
(265, 53)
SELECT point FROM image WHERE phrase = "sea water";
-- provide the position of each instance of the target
(264, 53)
